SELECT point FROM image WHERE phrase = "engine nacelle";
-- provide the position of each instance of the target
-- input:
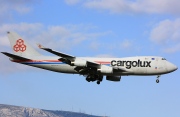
(79, 63)
(105, 69)
(113, 78)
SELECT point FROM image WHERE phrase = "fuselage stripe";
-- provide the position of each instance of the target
(31, 62)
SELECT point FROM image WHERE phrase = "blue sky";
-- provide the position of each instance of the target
(99, 28)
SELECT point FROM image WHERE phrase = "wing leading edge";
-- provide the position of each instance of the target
(69, 59)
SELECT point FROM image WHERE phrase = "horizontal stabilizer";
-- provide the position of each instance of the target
(15, 57)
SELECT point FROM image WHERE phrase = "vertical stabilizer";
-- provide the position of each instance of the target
(20, 46)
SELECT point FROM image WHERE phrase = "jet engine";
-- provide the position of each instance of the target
(79, 63)
(105, 69)
(113, 78)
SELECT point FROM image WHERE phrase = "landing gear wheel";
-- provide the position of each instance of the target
(98, 82)
(87, 79)
(157, 81)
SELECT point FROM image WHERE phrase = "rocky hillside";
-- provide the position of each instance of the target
(17, 111)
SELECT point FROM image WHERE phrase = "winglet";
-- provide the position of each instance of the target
(40, 46)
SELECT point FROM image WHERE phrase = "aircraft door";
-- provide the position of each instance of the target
(160, 65)
(163, 67)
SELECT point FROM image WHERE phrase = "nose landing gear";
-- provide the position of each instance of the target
(157, 80)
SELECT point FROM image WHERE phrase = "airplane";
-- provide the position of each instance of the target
(92, 68)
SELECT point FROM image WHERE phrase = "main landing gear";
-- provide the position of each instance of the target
(93, 78)
(98, 82)
(157, 80)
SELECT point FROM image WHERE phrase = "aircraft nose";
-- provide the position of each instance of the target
(171, 67)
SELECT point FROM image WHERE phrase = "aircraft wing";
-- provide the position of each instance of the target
(82, 69)
(57, 53)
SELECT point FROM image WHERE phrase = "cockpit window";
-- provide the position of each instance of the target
(163, 59)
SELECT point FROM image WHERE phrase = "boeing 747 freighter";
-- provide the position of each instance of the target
(94, 69)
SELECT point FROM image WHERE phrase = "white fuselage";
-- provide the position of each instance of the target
(144, 65)
(93, 68)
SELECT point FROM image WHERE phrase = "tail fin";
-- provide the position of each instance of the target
(20, 46)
